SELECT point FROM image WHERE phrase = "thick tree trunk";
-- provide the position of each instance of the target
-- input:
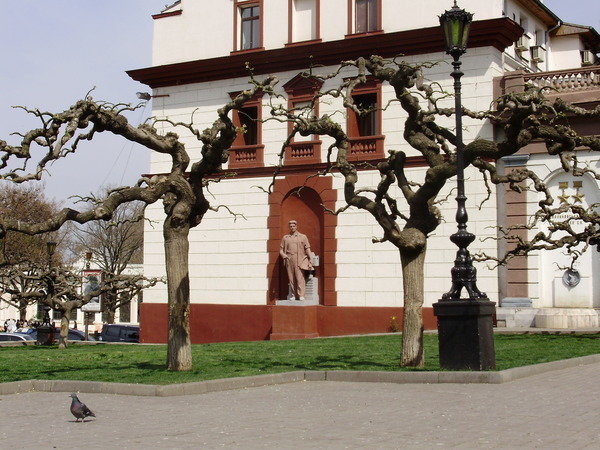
(110, 315)
(179, 349)
(111, 305)
(23, 310)
(413, 264)
(64, 328)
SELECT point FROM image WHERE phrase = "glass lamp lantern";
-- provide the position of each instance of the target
(456, 23)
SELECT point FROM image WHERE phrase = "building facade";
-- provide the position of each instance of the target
(238, 286)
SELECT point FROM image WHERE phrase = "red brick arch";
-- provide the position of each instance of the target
(323, 186)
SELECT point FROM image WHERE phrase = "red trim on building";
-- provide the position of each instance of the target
(366, 147)
(240, 153)
(299, 44)
(294, 322)
(498, 33)
(168, 14)
(517, 268)
(209, 323)
(323, 186)
(346, 320)
(302, 89)
(227, 323)
(306, 169)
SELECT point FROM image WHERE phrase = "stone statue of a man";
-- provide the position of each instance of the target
(296, 254)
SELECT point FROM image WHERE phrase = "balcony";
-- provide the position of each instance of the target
(366, 147)
(580, 85)
(246, 156)
(303, 152)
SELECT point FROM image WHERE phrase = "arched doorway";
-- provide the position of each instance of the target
(305, 206)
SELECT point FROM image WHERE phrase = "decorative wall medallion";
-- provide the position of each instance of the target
(571, 277)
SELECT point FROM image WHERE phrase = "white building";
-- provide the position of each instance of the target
(199, 57)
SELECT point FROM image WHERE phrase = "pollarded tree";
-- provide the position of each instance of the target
(182, 189)
(523, 117)
(60, 288)
(18, 285)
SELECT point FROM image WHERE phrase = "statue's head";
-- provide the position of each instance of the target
(293, 226)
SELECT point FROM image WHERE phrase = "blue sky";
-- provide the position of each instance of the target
(54, 51)
(582, 12)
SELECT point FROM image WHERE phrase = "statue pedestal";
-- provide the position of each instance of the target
(291, 322)
(466, 335)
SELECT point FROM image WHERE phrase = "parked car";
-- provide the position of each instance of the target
(120, 333)
(15, 337)
(74, 335)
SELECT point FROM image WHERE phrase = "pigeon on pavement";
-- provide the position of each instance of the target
(79, 410)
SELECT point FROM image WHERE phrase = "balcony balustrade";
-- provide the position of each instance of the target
(303, 152)
(366, 147)
(246, 156)
(581, 85)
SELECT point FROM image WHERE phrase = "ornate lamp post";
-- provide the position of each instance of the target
(464, 324)
(87, 316)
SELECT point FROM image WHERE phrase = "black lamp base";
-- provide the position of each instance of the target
(466, 334)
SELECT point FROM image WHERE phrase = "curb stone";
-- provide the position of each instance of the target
(226, 384)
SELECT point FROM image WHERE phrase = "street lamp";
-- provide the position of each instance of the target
(87, 315)
(465, 329)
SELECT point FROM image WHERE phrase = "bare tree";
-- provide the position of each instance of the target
(18, 283)
(114, 245)
(60, 289)
(27, 204)
(523, 118)
(182, 189)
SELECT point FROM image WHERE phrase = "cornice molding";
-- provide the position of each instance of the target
(167, 14)
(295, 169)
(499, 33)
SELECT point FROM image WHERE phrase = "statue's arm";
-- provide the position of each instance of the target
(282, 250)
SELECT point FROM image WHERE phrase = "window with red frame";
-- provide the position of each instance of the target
(366, 123)
(364, 128)
(249, 27)
(366, 14)
(303, 21)
(301, 91)
(247, 148)
(248, 122)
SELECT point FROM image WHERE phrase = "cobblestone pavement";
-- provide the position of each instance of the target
(558, 409)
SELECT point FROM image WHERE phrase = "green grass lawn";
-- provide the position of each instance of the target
(145, 363)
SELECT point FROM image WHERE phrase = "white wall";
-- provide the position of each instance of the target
(566, 52)
(201, 32)
(228, 260)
